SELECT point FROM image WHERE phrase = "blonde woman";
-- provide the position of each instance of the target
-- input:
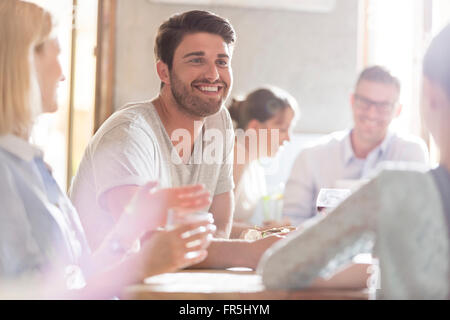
(41, 237)
(266, 113)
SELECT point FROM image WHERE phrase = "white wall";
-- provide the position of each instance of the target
(311, 55)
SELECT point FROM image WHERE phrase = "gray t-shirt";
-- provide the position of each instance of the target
(132, 148)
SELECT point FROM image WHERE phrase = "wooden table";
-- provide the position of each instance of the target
(231, 284)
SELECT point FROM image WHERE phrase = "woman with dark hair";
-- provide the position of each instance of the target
(403, 215)
(263, 122)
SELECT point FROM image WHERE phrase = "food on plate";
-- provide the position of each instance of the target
(256, 234)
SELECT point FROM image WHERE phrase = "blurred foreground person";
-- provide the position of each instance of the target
(403, 214)
(41, 237)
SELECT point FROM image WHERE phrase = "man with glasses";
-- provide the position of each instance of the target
(343, 158)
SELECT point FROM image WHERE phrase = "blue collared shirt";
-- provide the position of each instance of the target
(39, 228)
(332, 161)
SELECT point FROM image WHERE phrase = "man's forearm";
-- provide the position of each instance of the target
(228, 253)
(225, 253)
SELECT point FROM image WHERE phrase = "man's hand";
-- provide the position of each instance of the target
(167, 250)
(148, 208)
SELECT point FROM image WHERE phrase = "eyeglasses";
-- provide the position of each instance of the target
(364, 104)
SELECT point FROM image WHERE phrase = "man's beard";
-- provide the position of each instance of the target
(191, 104)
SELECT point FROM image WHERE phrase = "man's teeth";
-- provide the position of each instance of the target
(210, 89)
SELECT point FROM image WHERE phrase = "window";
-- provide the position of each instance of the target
(394, 40)
(396, 36)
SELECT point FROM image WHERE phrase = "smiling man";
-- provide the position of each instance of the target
(140, 143)
(348, 156)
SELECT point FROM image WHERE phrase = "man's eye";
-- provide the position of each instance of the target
(383, 105)
(196, 60)
(222, 63)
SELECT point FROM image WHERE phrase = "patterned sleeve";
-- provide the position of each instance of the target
(323, 244)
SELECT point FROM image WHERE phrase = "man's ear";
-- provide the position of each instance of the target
(399, 108)
(352, 100)
(163, 72)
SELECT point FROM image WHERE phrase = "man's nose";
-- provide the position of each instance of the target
(372, 110)
(211, 72)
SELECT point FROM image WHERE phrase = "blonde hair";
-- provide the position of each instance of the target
(24, 27)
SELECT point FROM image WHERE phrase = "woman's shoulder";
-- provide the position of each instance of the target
(8, 163)
(411, 182)
(408, 190)
(402, 187)
(5, 167)
(398, 173)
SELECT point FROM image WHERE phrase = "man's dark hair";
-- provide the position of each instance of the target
(380, 75)
(436, 64)
(172, 32)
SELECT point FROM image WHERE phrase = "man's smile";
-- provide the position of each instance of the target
(209, 89)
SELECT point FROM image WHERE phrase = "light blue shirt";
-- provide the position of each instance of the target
(39, 229)
(332, 160)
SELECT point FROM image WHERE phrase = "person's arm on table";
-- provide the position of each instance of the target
(149, 261)
(109, 270)
(229, 253)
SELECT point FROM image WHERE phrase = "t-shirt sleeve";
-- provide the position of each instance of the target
(225, 181)
(125, 155)
(19, 252)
